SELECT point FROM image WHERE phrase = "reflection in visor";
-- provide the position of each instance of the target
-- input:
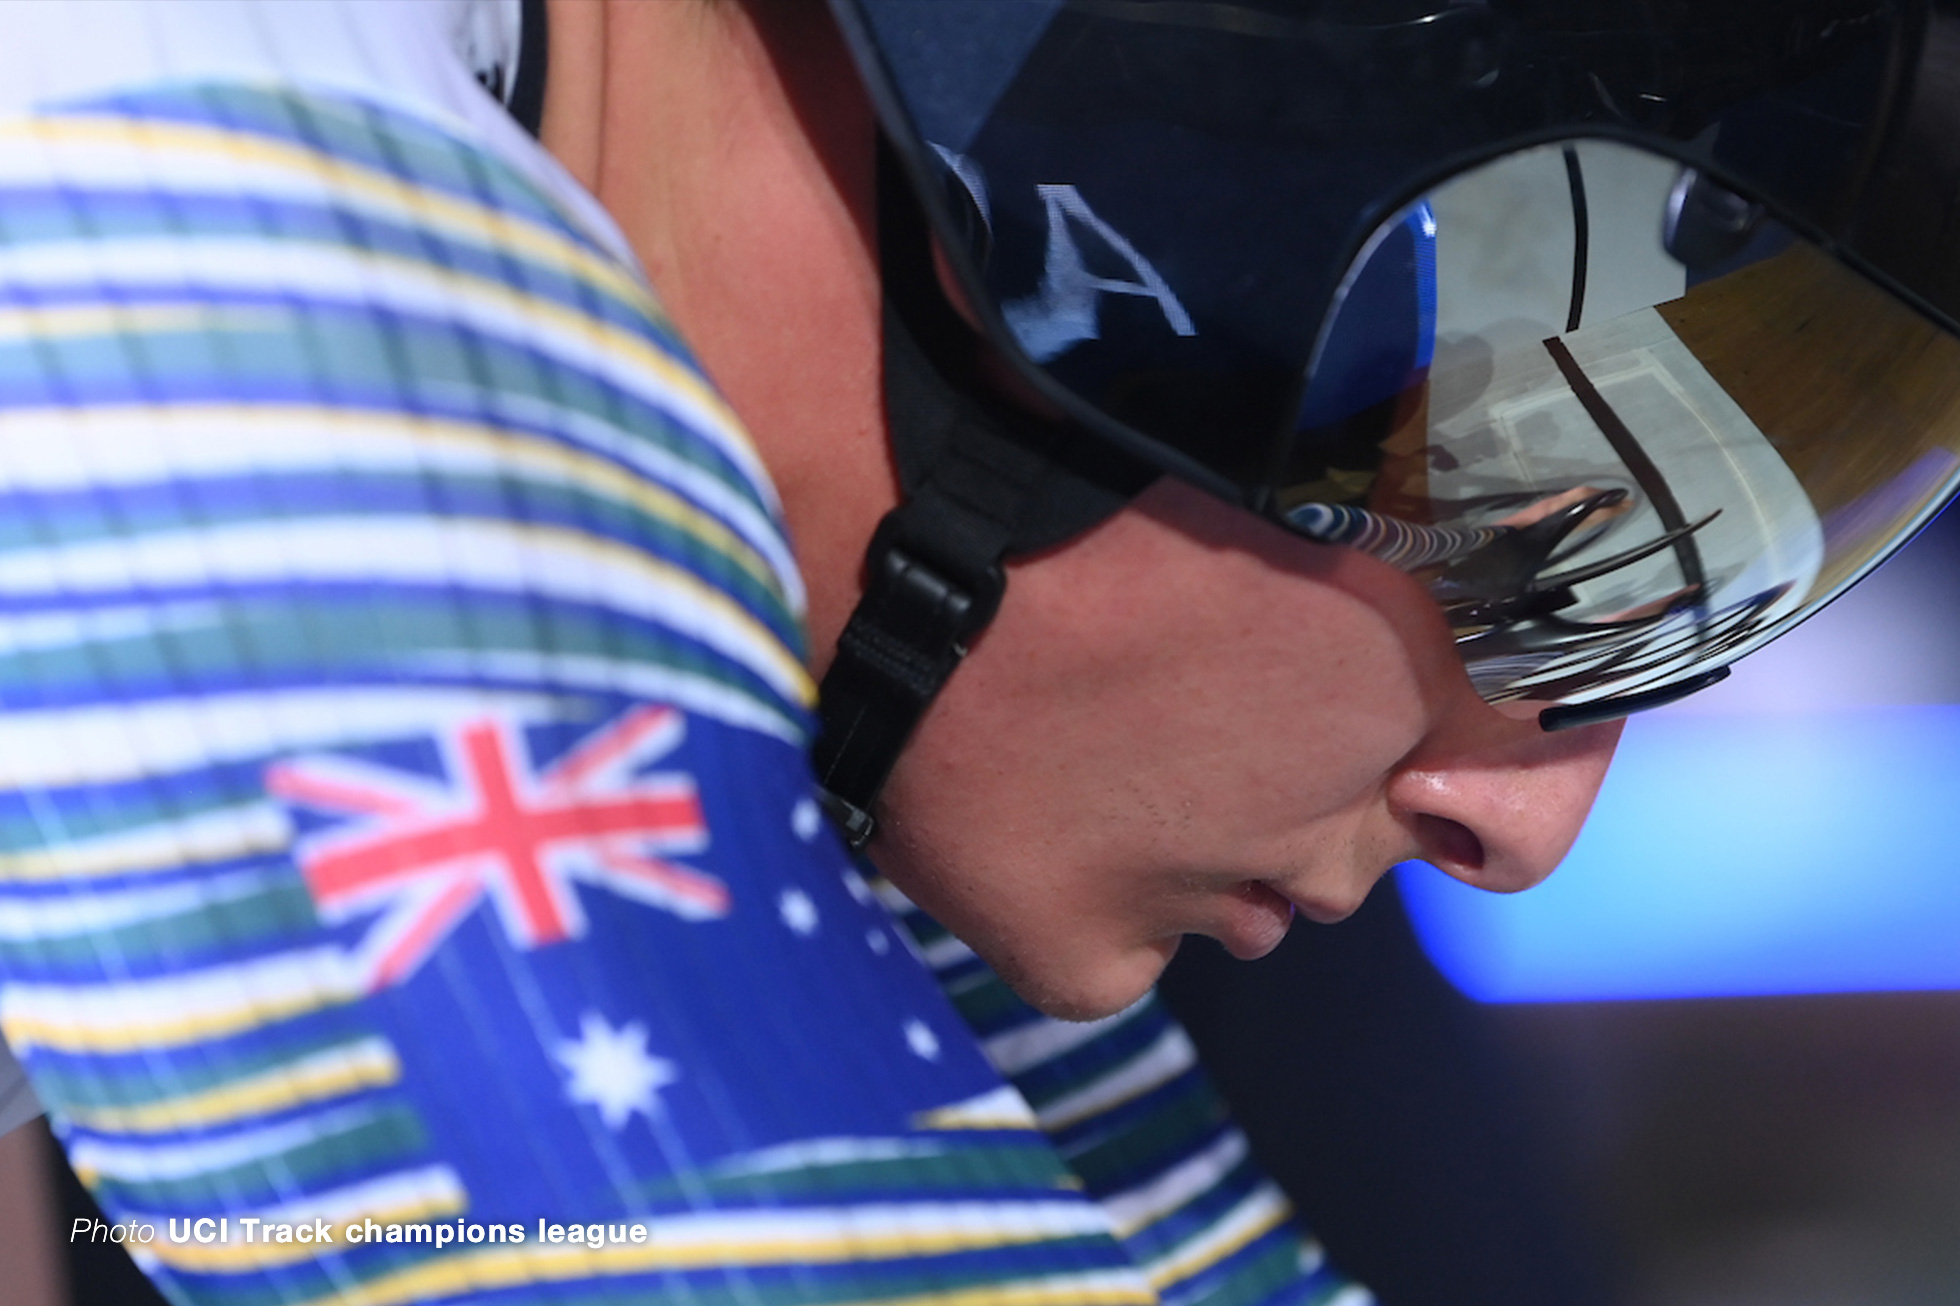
(1617, 473)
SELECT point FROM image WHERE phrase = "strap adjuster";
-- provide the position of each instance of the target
(909, 632)
(921, 603)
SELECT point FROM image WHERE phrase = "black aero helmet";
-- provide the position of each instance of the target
(1629, 327)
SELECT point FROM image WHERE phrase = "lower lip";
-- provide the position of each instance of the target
(1258, 921)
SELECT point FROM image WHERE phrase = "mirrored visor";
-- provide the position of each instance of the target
(1623, 426)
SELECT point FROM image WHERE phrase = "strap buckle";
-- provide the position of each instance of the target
(921, 603)
(909, 632)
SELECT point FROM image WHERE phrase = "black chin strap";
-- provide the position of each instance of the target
(981, 479)
(933, 580)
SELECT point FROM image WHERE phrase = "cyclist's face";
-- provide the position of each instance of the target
(1192, 722)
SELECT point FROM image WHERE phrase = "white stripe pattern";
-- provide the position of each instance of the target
(477, 553)
(1170, 1056)
(700, 485)
(218, 834)
(1045, 1039)
(36, 631)
(24, 919)
(1134, 1209)
(209, 162)
(96, 1158)
(430, 1188)
(1264, 1208)
(324, 273)
(826, 1152)
(177, 1009)
(132, 741)
(68, 449)
(988, 1221)
(700, 695)
(315, 1076)
(1000, 1108)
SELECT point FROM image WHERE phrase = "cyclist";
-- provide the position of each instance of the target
(407, 668)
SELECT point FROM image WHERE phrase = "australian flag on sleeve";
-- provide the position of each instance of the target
(405, 830)
(654, 975)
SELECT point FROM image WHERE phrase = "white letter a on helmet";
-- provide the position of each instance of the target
(1063, 312)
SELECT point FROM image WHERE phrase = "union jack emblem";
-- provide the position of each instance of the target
(424, 853)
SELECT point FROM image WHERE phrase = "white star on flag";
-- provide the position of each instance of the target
(920, 1038)
(806, 820)
(612, 1070)
(797, 911)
